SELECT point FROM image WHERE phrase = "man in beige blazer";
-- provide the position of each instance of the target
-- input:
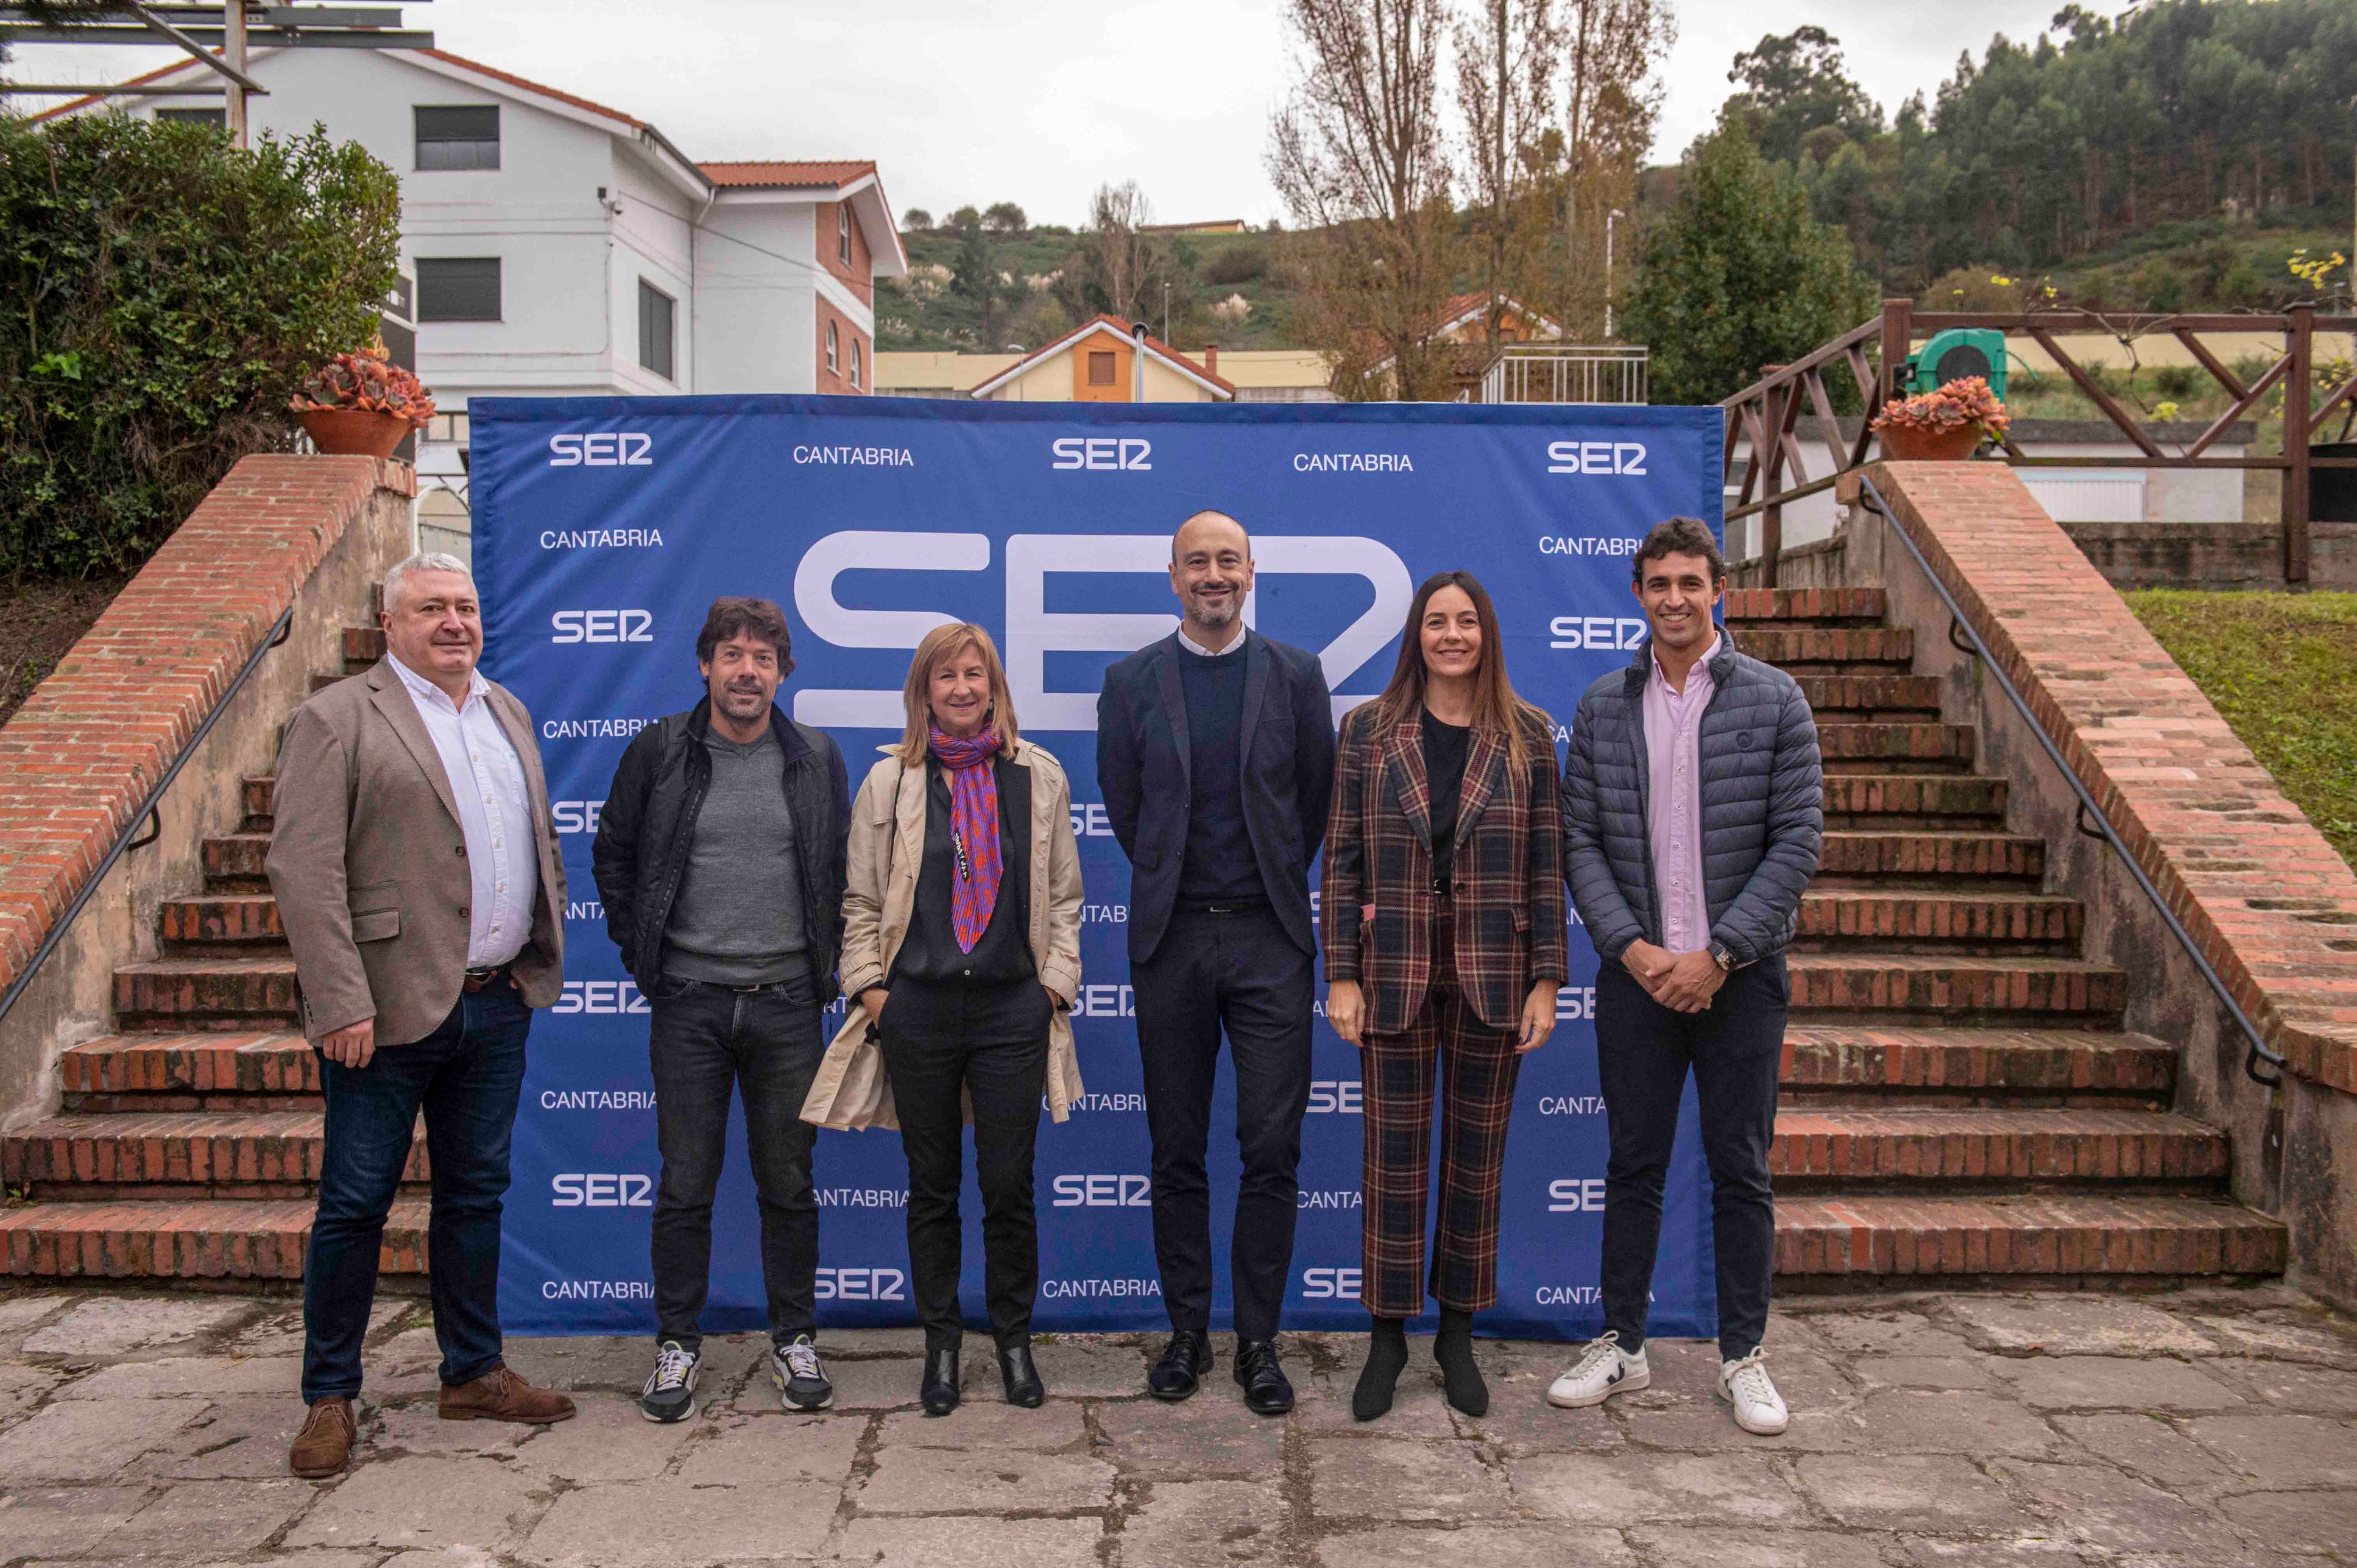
(417, 874)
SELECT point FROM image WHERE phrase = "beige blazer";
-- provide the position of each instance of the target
(887, 846)
(369, 862)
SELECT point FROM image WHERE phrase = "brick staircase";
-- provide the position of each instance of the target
(1960, 1097)
(189, 1140)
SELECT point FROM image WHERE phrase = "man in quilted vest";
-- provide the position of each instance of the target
(1693, 808)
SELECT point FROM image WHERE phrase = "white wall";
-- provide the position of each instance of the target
(755, 298)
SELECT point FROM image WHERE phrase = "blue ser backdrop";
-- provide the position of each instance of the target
(604, 528)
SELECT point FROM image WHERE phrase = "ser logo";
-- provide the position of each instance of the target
(1099, 1191)
(606, 449)
(1571, 1195)
(576, 817)
(862, 1285)
(1337, 1095)
(1596, 457)
(607, 997)
(1102, 452)
(1330, 1284)
(602, 1189)
(602, 626)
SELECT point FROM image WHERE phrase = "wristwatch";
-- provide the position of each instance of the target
(1721, 957)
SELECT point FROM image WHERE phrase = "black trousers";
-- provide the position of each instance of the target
(1643, 1052)
(941, 1045)
(1242, 973)
(707, 1041)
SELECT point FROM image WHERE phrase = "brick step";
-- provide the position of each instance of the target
(1804, 604)
(363, 645)
(1835, 698)
(1937, 987)
(1932, 856)
(189, 1072)
(1829, 1239)
(209, 1149)
(247, 993)
(1990, 1144)
(1904, 741)
(220, 920)
(1827, 1064)
(189, 1239)
(234, 862)
(1845, 915)
(1830, 650)
(1886, 800)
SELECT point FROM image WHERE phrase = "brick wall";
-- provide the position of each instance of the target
(315, 534)
(2226, 556)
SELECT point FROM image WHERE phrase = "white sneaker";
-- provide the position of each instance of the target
(1602, 1370)
(1759, 1408)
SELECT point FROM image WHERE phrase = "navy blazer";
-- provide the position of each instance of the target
(1289, 777)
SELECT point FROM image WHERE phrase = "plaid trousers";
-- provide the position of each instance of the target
(1477, 1066)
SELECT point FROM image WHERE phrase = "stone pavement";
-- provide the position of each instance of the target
(2207, 1428)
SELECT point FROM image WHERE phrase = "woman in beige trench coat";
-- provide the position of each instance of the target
(960, 956)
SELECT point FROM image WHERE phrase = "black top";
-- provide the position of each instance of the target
(1220, 864)
(1443, 768)
(929, 954)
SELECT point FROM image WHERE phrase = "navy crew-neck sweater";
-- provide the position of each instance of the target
(1219, 864)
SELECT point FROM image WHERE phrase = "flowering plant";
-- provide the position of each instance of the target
(1963, 404)
(366, 380)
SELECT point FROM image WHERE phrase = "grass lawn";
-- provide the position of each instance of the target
(2283, 669)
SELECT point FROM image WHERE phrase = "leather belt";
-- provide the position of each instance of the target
(479, 980)
(1227, 907)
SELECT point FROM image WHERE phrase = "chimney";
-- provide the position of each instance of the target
(1211, 359)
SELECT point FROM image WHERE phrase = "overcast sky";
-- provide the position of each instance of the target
(958, 102)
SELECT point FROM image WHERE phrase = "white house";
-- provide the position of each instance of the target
(562, 248)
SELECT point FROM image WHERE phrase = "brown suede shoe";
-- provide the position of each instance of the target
(500, 1395)
(324, 1447)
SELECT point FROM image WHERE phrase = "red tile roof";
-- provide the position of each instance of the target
(70, 104)
(788, 172)
(529, 86)
(1120, 329)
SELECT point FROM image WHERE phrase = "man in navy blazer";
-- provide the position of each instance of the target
(1215, 751)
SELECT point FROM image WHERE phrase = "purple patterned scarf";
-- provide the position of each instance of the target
(974, 819)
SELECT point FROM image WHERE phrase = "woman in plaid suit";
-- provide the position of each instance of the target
(1442, 917)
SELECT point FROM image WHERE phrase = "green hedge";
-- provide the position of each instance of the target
(162, 295)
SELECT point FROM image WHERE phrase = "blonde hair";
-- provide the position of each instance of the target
(943, 642)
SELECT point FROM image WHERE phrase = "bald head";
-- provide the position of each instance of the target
(1211, 572)
(1206, 526)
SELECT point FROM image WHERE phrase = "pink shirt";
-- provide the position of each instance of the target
(1674, 804)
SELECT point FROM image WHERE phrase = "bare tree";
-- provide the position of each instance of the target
(1612, 51)
(1507, 55)
(1359, 154)
(1116, 246)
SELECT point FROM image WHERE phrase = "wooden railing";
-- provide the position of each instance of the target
(1767, 413)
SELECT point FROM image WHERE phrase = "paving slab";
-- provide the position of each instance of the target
(970, 1543)
(1485, 1545)
(280, 1332)
(1520, 1421)
(859, 1385)
(125, 1326)
(21, 1313)
(2297, 1386)
(2298, 1338)
(1915, 1421)
(612, 1362)
(1402, 1478)
(428, 1502)
(241, 1437)
(671, 1522)
(1056, 1425)
(839, 1342)
(1673, 1548)
(1208, 1524)
(63, 1521)
(1909, 1492)
(1618, 1489)
(2072, 1326)
(199, 1519)
(948, 1480)
(22, 1388)
(755, 1450)
(2043, 1551)
(1923, 1371)
(608, 1441)
(2279, 1451)
(1323, 1403)
(1076, 1369)
(1196, 1438)
(2297, 1522)
(1890, 1333)
(415, 1428)
(180, 1377)
(2147, 1447)
(2104, 1509)
(87, 1441)
(2115, 1382)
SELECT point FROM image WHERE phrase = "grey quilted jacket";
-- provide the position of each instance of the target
(1763, 811)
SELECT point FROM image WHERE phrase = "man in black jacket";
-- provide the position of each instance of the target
(1215, 751)
(719, 857)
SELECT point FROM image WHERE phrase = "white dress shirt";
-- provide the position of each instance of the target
(1673, 755)
(1191, 646)
(494, 814)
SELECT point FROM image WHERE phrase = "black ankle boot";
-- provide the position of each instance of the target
(940, 1391)
(1460, 1377)
(1386, 1357)
(1021, 1377)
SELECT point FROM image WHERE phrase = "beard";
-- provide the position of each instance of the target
(1217, 618)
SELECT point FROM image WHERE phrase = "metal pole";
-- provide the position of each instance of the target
(1609, 219)
(2298, 399)
(1137, 362)
(233, 51)
(1166, 313)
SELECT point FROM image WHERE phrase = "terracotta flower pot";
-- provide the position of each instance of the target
(354, 432)
(1913, 443)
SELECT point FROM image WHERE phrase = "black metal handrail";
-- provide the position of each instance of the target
(151, 809)
(2088, 805)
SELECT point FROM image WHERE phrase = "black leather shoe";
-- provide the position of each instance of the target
(1266, 1390)
(1021, 1377)
(1179, 1372)
(940, 1392)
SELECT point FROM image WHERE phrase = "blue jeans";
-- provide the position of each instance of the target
(467, 1075)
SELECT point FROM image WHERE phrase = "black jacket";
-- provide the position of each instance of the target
(648, 821)
(1289, 777)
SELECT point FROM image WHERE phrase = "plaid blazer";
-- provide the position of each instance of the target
(1375, 894)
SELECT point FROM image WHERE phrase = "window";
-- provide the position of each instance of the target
(193, 116)
(855, 361)
(843, 231)
(464, 137)
(1100, 368)
(656, 313)
(833, 360)
(457, 288)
